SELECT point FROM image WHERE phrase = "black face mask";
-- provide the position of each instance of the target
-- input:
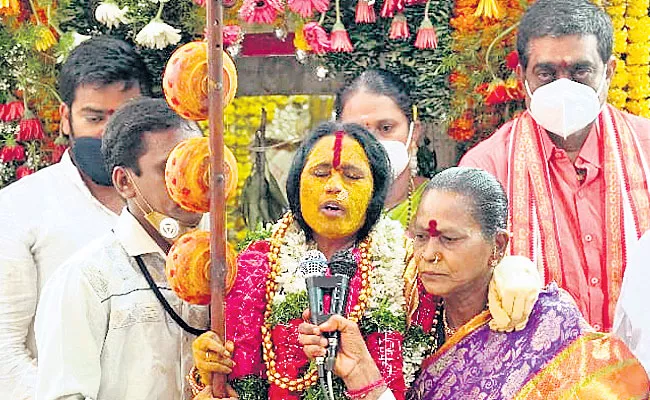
(87, 154)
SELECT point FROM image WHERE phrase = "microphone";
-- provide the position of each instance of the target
(343, 267)
(312, 267)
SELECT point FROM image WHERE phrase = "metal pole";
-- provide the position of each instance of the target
(217, 179)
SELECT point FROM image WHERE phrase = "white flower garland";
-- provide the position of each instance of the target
(387, 253)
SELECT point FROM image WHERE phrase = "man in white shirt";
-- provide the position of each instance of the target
(47, 216)
(101, 331)
(632, 318)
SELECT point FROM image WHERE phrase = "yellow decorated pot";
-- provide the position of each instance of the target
(187, 174)
(185, 80)
(188, 267)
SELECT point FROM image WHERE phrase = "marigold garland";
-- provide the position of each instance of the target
(630, 88)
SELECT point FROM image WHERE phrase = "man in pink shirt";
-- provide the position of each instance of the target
(575, 168)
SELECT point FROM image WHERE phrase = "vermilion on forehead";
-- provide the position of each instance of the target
(338, 146)
(433, 228)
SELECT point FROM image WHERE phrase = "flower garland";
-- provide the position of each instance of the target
(376, 301)
(630, 89)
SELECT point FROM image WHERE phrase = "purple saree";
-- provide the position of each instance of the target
(557, 355)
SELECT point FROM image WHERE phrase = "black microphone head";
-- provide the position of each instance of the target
(313, 263)
(343, 263)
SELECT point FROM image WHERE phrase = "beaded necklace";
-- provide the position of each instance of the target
(268, 353)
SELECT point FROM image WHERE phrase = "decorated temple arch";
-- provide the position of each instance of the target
(457, 57)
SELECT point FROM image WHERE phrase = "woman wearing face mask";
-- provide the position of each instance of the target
(380, 101)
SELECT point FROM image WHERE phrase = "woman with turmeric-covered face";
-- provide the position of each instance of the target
(336, 188)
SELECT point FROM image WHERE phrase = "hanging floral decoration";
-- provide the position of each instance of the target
(31, 42)
(37, 35)
(485, 89)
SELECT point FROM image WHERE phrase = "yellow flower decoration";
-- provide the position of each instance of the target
(637, 8)
(638, 54)
(621, 78)
(638, 29)
(617, 97)
(639, 81)
(638, 69)
(616, 10)
(488, 9)
(44, 38)
(299, 40)
(639, 107)
(618, 23)
(638, 92)
(620, 41)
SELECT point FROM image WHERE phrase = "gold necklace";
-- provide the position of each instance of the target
(449, 331)
(311, 376)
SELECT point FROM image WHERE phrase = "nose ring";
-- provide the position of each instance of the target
(437, 257)
(342, 195)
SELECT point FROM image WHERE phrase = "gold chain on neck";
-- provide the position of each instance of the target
(449, 331)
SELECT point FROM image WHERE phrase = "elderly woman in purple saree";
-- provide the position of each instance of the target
(459, 237)
(555, 355)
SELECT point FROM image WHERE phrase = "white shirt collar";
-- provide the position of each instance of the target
(133, 237)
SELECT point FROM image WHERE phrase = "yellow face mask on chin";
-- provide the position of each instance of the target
(169, 228)
(336, 186)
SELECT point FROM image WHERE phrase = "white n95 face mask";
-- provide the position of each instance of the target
(564, 106)
(398, 153)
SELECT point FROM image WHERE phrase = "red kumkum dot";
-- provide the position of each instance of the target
(433, 228)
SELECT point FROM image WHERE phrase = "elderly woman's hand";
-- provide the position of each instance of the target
(513, 292)
(211, 355)
(353, 361)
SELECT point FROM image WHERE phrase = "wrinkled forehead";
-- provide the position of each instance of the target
(441, 210)
(338, 150)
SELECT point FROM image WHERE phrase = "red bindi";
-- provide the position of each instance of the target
(433, 228)
(338, 145)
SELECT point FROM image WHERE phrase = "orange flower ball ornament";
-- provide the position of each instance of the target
(185, 80)
(187, 174)
(188, 267)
